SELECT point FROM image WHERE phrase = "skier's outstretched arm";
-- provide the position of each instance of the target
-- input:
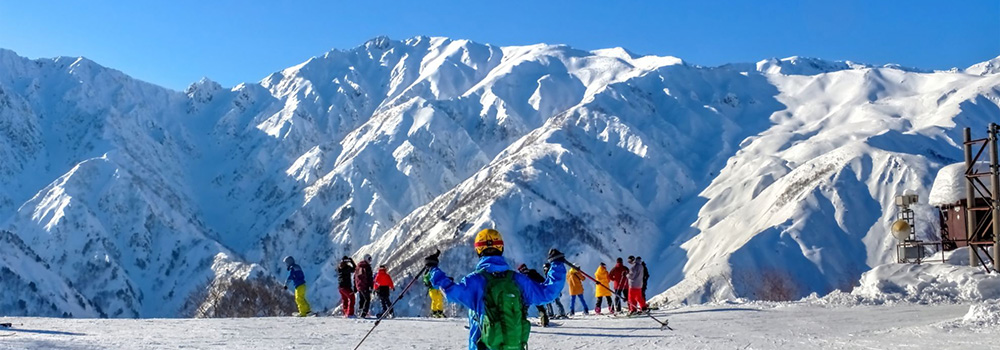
(466, 292)
(539, 293)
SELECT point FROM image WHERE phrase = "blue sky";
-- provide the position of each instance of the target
(174, 43)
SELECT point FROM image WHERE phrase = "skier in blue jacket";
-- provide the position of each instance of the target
(298, 280)
(471, 290)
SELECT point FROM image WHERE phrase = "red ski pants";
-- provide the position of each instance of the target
(347, 301)
(635, 299)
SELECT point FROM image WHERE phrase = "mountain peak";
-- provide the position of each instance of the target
(8, 53)
(9, 59)
(203, 89)
(380, 42)
(798, 65)
(619, 52)
(985, 68)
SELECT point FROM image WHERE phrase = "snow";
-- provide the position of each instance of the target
(720, 326)
(134, 197)
(983, 315)
(928, 283)
(796, 65)
(985, 68)
(928, 306)
(949, 185)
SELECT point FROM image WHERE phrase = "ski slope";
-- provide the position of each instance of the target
(803, 325)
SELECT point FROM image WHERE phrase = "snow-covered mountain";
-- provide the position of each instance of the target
(130, 197)
(985, 68)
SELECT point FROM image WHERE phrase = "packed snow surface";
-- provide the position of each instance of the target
(720, 326)
(929, 306)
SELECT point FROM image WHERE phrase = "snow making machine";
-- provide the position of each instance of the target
(967, 195)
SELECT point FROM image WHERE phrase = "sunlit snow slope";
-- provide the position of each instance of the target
(129, 197)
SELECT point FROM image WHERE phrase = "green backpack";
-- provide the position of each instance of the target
(504, 325)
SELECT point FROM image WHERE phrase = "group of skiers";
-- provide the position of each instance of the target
(358, 278)
(622, 277)
(496, 296)
(351, 278)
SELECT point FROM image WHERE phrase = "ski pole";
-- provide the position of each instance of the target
(391, 306)
(596, 281)
(663, 325)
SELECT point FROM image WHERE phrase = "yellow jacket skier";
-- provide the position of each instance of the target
(601, 275)
(574, 279)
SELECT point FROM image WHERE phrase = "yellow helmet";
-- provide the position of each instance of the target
(488, 238)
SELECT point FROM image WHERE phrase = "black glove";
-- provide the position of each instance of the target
(432, 260)
(556, 255)
(285, 286)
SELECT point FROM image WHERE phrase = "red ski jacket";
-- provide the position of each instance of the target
(619, 275)
(382, 279)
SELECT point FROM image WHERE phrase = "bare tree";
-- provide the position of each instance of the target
(237, 297)
(769, 285)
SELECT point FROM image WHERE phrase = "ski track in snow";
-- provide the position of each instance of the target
(721, 326)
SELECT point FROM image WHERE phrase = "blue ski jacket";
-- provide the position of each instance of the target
(295, 275)
(470, 291)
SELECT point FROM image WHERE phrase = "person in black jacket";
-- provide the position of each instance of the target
(645, 279)
(345, 280)
(537, 277)
(364, 279)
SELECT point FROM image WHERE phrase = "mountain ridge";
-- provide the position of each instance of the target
(396, 147)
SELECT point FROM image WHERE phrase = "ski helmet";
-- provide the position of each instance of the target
(488, 239)
(345, 258)
(368, 257)
(289, 260)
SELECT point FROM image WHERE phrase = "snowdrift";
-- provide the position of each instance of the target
(927, 283)
(983, 315)
(933, 282)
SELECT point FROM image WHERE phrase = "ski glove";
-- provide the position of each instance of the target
(556, 255)
(432, 260)
(285, 286)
